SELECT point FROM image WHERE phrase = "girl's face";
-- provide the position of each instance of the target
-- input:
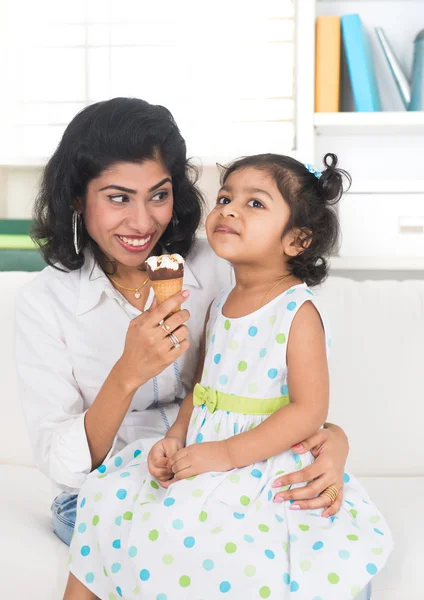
(247, 223)
(127, 209)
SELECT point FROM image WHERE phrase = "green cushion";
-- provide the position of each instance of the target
(21, 242)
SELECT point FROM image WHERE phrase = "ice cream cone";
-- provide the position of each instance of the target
(165, 288)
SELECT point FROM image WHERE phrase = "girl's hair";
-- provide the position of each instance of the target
(105, 133)
(310, 200)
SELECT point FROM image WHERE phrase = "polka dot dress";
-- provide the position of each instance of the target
(220, 535)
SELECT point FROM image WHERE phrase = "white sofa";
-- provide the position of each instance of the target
(377, 370)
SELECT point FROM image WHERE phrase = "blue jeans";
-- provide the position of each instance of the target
(64, 509)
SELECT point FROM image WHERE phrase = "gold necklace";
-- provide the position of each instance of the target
(273, 287)
(136, 290)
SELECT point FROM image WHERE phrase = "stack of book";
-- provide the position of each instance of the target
(330, 33)
(17, 250)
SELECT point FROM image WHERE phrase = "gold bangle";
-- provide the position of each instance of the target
(332, 492)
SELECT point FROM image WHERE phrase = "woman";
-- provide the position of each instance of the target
(95, 369)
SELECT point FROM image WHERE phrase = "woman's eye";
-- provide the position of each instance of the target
(160, 196)
(119, 198)
(223, 200)
(256, 204)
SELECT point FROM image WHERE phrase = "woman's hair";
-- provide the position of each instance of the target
(105, 133)
(310, 200)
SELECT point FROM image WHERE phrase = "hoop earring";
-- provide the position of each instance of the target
(76, 223)
(174, 220)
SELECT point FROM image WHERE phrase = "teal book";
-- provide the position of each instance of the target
(360, 64)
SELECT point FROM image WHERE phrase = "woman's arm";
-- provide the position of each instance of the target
(308, 383)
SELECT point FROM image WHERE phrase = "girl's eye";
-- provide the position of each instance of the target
(160, 196)
(223, 200)
(256, 204)
(119, 198)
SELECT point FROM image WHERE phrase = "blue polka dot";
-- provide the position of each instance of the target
(292, 538)
(121, 494)
(279, 518)
(371, 568)
(262, 352)
(284, 389)
(83, 501)
(144, 575)
(317, 546)
(177, 524)
(223, 379)
(269, 495)
(249, 539)
(235, 428)
(89, 577)
(118, 521)
(118, 461)
(199, 438)
(272, 373)
(344, 554)
(125, 474)
(116, 567)
(346, 478)
(137, 453)
(101, 469)
(216, 358)
(161, 597)
(208, 565)
(132, 551)
(224, 587)
(203, 422)
(294, 586)
(82, 527)
(118, 589)
(252, 331)
(116, 544)
(189, 542)
(269, 554)
(296, 457)
(256, 473)
(239, 515)
(378, 531)
(310, 292)
(213, 338)
(290, 291)
(291, 306)
(169, 501)
(286, 578)
(85, 550)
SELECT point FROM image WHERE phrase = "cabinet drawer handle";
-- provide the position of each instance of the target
(411, 224)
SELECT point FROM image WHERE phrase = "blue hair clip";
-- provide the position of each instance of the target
(311, 169)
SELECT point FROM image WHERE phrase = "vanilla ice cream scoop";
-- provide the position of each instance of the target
(166, 275)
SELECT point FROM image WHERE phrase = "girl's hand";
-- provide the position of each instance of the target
(159, 455)
(330, 448)
(200, 458)
(148, 349)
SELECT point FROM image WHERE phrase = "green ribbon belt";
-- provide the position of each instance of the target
(215, 400)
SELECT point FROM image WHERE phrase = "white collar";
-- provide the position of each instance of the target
(93, 283)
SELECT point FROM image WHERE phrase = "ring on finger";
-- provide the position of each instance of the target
(164, 326)
(331, 492)
(175, 341)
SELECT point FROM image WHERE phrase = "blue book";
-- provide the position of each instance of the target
(360, 64)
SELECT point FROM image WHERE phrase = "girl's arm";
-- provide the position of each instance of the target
(180, 427)
(308, 384)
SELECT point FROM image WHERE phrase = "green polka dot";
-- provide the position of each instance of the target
(272, 319)
(69, 559)
(102, 476)
(153, 535)
(216, 530)
(354, 513)
(281, 338)
(376, 551)
(191, 478)
(127, 516)
(203, 516)
(98, 496)
(263, 528)
(232, 344)
(333, 578)
(264, 592)
(154, 485)
(242, 366)
(304, 527)
(285, 546)
(253, 388)
(352, 537)
(150, 497)
(167, 559)
(105, 572)
(185, 581)
(234, 478)
(245, 500)
(197, 493)
(258, 505)
(250, 570)
(112, 596)
(217, 427)
(230, 548)
(136, 590)
(305, 565)
(145, 516)
(374, 519)
(135, 497)
(227, 324)
(355, 590)
(96, 519)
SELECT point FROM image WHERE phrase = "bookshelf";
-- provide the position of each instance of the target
(378, 123)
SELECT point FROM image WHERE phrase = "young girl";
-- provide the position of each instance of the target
(204, 516)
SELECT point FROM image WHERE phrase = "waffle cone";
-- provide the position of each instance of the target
(165, 288)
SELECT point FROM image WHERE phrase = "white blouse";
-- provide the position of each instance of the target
(70, 331)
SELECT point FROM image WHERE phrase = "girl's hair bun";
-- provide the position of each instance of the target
(330, 184)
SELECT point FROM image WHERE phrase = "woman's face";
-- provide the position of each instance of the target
(127, 209)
